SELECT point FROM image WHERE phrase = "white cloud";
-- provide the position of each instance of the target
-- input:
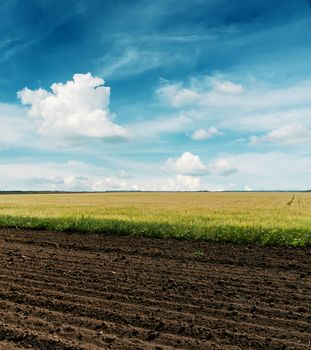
(202, 134)
(75, 163)
(248, 189)
(76, 183)
(187, 164)
(232, 186)
(68, 176)
(15, 129)
(113, 183)
(76, 109)
(251, 107)
(290, 134)
(148, 129)
(190, 164)
(81, 183)
(259, 171)
(133, 60)
(183, 183)
(223, 167)
(227, 87)
(177, 96)
(213, 92)
(272, 170)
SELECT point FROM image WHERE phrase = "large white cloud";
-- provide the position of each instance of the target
(191, 164)
(187, 164)
(76, 109)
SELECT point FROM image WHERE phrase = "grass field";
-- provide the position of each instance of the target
(263, 218)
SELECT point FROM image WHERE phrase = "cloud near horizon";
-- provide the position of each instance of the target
(76, 109)
(191, 165)
(183, 183)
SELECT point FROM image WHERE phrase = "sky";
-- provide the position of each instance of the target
(168, 95)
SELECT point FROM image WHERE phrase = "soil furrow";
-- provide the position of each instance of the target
(80, 291)
(124, 295)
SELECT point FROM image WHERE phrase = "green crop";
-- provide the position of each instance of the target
(261, 218)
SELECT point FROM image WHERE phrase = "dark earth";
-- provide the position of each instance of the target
(85, 291)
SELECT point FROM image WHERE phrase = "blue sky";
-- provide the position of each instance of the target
(165, 95)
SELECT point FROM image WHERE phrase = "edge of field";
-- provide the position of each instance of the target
(226, 233)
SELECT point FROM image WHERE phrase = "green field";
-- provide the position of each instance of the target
(263, 218)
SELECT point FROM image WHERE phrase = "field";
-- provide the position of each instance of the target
(264, 218)
(110, 271)
(71, 291)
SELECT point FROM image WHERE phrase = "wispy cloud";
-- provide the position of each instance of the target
(133, 61)
(16, 130)
(289, 134)
(150, 130)
(227, 104)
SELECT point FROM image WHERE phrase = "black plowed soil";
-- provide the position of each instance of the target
(73, 291)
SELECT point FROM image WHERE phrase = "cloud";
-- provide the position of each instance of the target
(205, 91)
(177, 96)
(227, 87)
(290, 134)
(223, 167)
(76, 183)
(129, 62)
(190, 164)
(272, 170)
(76, 109)
(15, 129)
(202, 134)
(80, 183)
(253, 106)
(183, 183)
(113, 183)
(133, 60)
(53, 180)
(148, 129)
(65, 176)
(187, 164)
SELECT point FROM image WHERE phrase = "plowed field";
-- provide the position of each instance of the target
(73, 291)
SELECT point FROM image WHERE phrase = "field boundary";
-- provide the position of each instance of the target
(219, 233)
